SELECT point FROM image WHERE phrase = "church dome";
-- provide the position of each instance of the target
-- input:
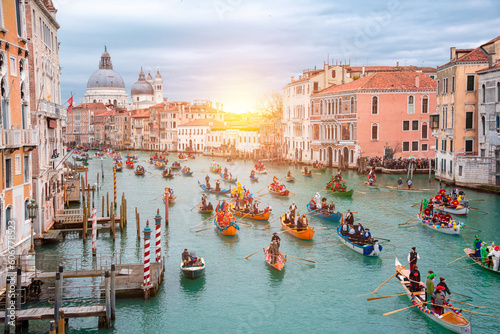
(142, 87)
(158, 75)
(105, 76)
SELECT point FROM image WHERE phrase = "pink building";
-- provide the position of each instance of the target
(380, 114)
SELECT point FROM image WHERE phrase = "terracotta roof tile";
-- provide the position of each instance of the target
(97, 105)
(143, 114)
(476, 55)
(385, 81)
(389, 68)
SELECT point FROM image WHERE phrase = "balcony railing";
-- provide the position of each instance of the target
(51, 109)
(19, 138)
(449, 132)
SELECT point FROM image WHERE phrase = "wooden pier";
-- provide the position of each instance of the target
(47, 313)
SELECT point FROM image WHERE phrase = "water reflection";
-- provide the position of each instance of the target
(275, 276)
(192, 287)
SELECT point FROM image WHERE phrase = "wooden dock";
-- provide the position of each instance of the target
(47, 313)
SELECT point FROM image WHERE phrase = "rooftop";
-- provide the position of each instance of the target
(204, 122)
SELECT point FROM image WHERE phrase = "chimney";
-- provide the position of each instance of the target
(293, 78)
(397, 64)
(417, 81)
(363, 71)
(453, 53)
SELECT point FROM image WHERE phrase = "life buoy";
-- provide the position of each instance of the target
(427, 211)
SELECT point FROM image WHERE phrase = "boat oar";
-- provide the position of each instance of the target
(408, 225)
(458, 259)
(456, 293)
(204, 220)
(471, 228)
(195, 206)
(299, 262)
(402, 309)
(261, 190)
(461, 309)
(384, 282)
(271, 222)
(474, 209)
(298, 258)
(317, 243)
(472, 199)
(291, 192)
(204, 229)
(414, 205)
(263, 194)
(399, 294)
(383, 239)
(254, 253)
(406, 222)
(470, 264)
(456, 301)
(360, 192)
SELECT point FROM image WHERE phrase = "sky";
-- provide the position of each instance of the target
(235, 51)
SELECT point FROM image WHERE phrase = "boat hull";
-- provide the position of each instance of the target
(193, 272)
(415, 190)
(203, 211)
(283, 193)
(334, 217)
(228, 231)
(366, 250)
(280, 261)
(212, 190)
(290, 179)
(348, 193)
(307, 234)
(460, 210)
(470, 252)
(259, 216)
(455, 230)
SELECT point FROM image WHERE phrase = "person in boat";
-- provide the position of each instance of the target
(439, 298)
(454, 193)
(305, 221)
(289, 174)
(344, 230)
(273, 251)
(299, 223)
(292, 209)
(429, 287)
(352, 233)
(287, 218)
(276, 238)
(230, 176)
(186, 257)
(484, 254)
(349, 218)
(359, 231)
(317, 198)
(368, 238)
(252, 174)
(331, 209)
(225, 172)
(312, 204)
(207, 180)
(306, 171)
(414, 279)
(413, 257)
(370, 180)
(217, 185)
(495, 256)
(210, 206)
(477, 247)
(324, 205)
(256, 207)
(400, 184)
(275, 179)
(442, 282)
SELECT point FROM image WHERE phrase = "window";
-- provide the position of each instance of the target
(19, 15)
(316, 86)
(483, 126)
(451, 167)
(17, 164)
(375, 131)
(483, 89)
(451, 145)
(8, 173)
(424, 131)
(437, 142)
(443, 166)
(424, 148)
(34, 22)
(411, 105)
(483, 153)
(26, 169)
(406, 125)
(469, 145)
(13, 66)
(374, 105)
(353, 106)
(8, 216)
(425, 105)
(470, 82)
(414, 125)
(469, 120)
(443, 145)
(437, 88)
(452, 116)
(406, 146)
(445, 86)
(414, 146)
(453, 84)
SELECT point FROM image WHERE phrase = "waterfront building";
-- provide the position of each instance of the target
(147, 92)
(123, 125)
(105, 85)
(18, 138)
(169, 117)
(138, 120)
(192, 134)
(456, 124)
(48, 116)
(79, 123)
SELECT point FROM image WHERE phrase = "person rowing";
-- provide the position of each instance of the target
(276, 238)
(400, 184)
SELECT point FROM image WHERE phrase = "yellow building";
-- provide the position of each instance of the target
(17, 139)
(455, 123)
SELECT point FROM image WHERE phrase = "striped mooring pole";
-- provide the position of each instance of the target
(158, 236)
(94, 231)
(114, 184)
(147, 255)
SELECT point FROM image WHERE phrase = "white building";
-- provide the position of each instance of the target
(147, 92)
(106, 85)
(192, 135)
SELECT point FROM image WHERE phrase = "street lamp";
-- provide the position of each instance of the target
(32, 211)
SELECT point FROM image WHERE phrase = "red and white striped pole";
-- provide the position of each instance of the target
(147, 254)
(94, 231)
(158, 236)
(114, 184)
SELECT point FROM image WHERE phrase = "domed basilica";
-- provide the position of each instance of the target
(107, 86)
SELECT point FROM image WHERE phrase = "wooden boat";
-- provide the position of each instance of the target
(347, 193)
(459, 210)
(471, 256)
(263, 215)
(308, 174)
(451, 319)
(159, 165)
(254, 179)
(139, 170)
(373, 186)
(200, 206)
(262, 171)
(184, 172)
(445, 228)
(130, 165)
(195, 271)
(118, 168)
(171, 199)
(333, 217)
(306, 234)
(417, 190)
(290, 179)
(321, 170)
(167, 173)
(365, 249)
(233, 180)
(285, 192)
(228, 230)
(182, 159)
(191, 156)
(176, 165)
(280, 261)
(215, 169)
(212, 190)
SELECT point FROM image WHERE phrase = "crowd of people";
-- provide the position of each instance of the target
(488, 255)
(190, 259)
(223, 216)
(400, 163)
(294, 220)
(321, 205)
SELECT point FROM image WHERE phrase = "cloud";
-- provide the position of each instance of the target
(234, 51)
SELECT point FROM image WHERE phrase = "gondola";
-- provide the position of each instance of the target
(470, 252)
(280, 261)
(451, 318)
(306, 234)
(308, 174)
(283, 193)
(362, 248)
(233, 180)
(290, 179)
(195, 271)
(447, 226)
(200, 209)
(263, 215)
(167, 173)
(139, 170)
(212, 190)
(186, 173)
(333, 217)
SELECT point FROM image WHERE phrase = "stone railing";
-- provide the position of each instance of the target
(18, 137)
(51, 109)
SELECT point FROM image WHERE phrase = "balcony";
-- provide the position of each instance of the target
(14, 139)
(52, 110)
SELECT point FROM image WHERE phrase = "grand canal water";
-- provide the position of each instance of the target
(246, 296)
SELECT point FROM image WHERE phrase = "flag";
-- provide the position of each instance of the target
(70, 104)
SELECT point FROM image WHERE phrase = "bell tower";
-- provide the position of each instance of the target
(158, 88)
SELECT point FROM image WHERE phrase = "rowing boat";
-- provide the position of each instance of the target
(229, 229)
(167, 173)
(406, 189)
(139, 170)
(347, 193)
(373, 185)
(322, 169)
(459, 210)
(290, 179)
(175, 165)
(446, 228)
(234, 180)
(212, 190)
(471, 256)
(451, 318)
(309, 174)
(333, 217)
(306, 234)
(283, 193)
(365, 249)
(280, 261)
(263, 215)
(195, 271)
(200, 206)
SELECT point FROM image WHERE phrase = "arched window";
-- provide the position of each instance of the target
(424, 130)
(374, 105)
(411, 104)
(353, 106)
(498, 91)
(374, 131)
(483, 126)
(8, 216)
(351, 158)
(26, 214)
(484, 93)
(425, 105)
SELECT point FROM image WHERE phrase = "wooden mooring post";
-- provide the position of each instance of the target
(106, 320)
(61, 326)
(137, 223)
(102, 206)
(113, 292)
(56, 304)
(107, 204)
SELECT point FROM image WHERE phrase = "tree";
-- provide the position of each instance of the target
(271, 105)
